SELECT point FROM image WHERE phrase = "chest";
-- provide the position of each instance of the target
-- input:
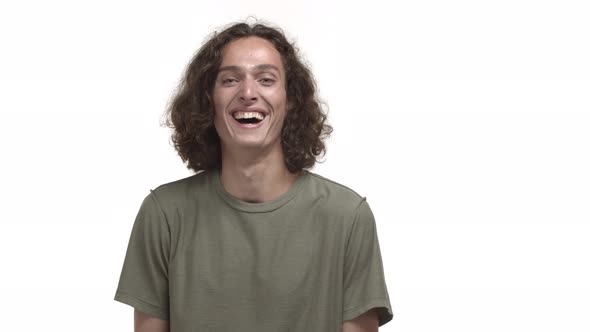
(262, 258)
(272, 272)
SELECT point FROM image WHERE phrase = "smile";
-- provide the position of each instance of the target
(249, 120)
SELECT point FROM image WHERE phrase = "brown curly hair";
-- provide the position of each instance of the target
(191, 112)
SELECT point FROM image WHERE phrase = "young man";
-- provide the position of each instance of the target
(254, 241)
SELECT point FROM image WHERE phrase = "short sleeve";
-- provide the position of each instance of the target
(364, 280)
(143, 283)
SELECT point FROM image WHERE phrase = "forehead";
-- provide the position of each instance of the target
(250, 52)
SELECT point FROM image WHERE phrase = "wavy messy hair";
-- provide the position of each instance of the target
(191, 112)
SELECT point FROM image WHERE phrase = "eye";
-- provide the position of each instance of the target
(267, 81)
(228, 81)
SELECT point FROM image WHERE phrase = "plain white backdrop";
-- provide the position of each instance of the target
(466, 124)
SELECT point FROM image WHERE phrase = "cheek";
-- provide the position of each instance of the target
(218, 121)
(216, 102)
(279, 100)
(217, 107)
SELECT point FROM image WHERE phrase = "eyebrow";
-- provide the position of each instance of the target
(257, 67)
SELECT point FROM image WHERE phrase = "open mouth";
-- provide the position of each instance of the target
(249, 120)
(248, 117)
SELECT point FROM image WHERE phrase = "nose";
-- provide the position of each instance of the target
(248, 92)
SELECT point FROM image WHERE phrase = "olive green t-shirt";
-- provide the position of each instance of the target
(206, 261)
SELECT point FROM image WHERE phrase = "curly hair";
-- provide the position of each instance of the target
(191, 112)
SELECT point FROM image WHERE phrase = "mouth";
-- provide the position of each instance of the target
(248, 119)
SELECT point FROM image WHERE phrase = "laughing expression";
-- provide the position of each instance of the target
(249, 95)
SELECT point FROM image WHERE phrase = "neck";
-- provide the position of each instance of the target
(255, 178)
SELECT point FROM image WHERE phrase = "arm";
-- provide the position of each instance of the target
(148, 323)
(367, 322)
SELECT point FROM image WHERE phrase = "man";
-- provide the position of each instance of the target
(254, 241)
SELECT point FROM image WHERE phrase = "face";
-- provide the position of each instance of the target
(249, 95)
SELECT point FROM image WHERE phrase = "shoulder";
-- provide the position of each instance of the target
(334, 196)
(336, 190)
(181, 191)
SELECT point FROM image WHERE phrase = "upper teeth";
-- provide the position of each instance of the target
(248, 115)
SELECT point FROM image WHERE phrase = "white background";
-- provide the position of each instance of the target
(464, 123)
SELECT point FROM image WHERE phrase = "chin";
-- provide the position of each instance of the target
(248, 144)
(254, 144)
